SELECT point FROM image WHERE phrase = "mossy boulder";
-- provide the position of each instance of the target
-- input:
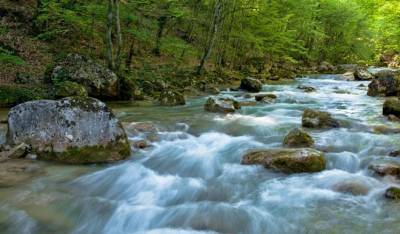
(251, 85)
(318, 119)
(70, 130)
(128, 89)
(69, 89)
(298, 138)
(171, 98)
(220, 105)
(392, 107)
(385, 85)
(393, 193)
(98, 81)
(287, 160)
(14, 95)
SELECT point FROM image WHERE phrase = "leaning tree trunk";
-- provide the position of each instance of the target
(110, 17)
(211, 36)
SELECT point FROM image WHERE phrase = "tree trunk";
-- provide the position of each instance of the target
(110, 17)
(117, 62)
(211, 36)
(162, 21)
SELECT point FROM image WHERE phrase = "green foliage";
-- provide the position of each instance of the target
(12, 95)
(8, 57)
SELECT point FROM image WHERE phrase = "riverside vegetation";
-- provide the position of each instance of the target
(278, 116)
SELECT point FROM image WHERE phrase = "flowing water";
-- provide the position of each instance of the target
(191, 181)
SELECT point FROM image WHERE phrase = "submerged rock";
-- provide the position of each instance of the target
(261, 97)
(392, 107)
(98, 81)
(352, 187)
(70, 130)
(298, 138)
(393, 193)
(385, 168)
(220, 105)
(385, 85)
(318, 119)
(307, 89)
(287, 160)
(349, 76)
(171, 98)
(251, 85)
(17, 171)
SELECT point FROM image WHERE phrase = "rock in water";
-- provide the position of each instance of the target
(385, 85)
(219, 105)
(70, 130)
(287, 160)
(362, 74)
(393, 193)
(251, 85)
(392, 107)
(349, 76)
(353, 187)
(98, 81)
(318, 119)
(171, 98)
(385, 168)
(307, 89)
(298, 138)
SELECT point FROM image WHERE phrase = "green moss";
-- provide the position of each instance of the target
(12, 95)
(393, 193)
(68, 89)
(89, 154)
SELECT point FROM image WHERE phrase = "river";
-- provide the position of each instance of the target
(191, 181)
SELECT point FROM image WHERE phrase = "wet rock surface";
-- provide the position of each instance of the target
(220, 105)
(251, 85)
(318, 119)
(298, 138)
(70, 130)
(287, 160)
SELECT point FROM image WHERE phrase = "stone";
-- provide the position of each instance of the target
(318, 119)
(307, 89)
(298, 138)
(349, 76)
(219, 105)
(171, 98)
(18, 151)
(362, 74)
(251, 85)
(287, 160)
(70, 130)
(395, 153)
(18, 171)
(98, 81)
(391, 107)
(261, 97)
(393, 193)
(248, 103)
(69, 89)
(352, 187)
(393, 118)
(326, 67)
(385, 168)
(384, 86)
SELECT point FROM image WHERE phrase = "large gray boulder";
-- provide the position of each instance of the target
(70, 130)
(99, 81)
(287, 160)
(251, 85)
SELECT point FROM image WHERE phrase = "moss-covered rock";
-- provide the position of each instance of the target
(69, 89)
(393, 193)
(98, 81)
(318, 119)
(385, 85)
(14, 95)
(251, 85)
(298, 138)
(392, 107)
(128, 89)
(362, 74)
(70, 130)
(287, 160)
(171, 98)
